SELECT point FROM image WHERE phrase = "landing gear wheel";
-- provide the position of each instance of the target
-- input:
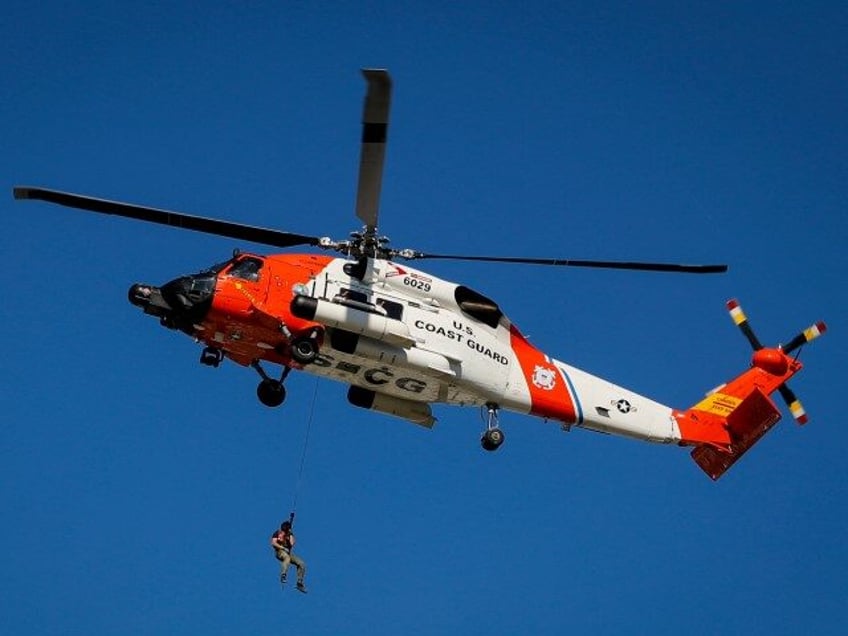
(304, 349)
(492, 439)
(271, 392)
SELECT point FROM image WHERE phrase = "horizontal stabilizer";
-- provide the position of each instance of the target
(747, 423)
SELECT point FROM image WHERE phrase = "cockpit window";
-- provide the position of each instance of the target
(247, 269)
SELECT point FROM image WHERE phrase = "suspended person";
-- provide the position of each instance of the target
(282, 541)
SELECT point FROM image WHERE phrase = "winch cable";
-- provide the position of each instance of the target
(303, 453)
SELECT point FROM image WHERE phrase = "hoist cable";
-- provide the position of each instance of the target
(303, 454)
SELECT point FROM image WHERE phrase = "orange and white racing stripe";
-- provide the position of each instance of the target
(552, 394)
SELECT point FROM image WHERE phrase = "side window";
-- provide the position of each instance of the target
(359, 300)
(393, 310)
(352, 294)
(246, 269)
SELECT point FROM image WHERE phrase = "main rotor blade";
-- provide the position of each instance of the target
(562, 262)
(165, 217)
(375, 125)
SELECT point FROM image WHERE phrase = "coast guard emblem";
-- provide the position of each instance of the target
(544, 378)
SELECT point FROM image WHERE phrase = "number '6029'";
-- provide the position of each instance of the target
(417, 284)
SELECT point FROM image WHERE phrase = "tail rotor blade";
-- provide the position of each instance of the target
(811, 333)
(741, 321)
(794, 404)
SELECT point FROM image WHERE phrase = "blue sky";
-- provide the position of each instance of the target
(139, 488)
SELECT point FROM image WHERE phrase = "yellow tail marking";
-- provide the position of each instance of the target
(718, 403)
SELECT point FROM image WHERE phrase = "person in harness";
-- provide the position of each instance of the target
(282, 541)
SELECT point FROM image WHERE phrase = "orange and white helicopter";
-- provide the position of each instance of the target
(404, 339)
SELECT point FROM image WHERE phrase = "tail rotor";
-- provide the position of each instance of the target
(805, 336)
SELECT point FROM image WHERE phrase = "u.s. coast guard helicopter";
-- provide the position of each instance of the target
(404, 339)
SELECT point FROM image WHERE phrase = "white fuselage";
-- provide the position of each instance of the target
(422, 339)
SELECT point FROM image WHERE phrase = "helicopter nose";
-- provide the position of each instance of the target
(149, 298)
(180, 303)
(176, 293)
(189, 294)
(143, 295)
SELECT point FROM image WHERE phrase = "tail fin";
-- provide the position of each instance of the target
(734, 417)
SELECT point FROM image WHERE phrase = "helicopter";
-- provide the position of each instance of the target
(404, 339)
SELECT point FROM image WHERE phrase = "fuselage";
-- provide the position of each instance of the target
(403, 334)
